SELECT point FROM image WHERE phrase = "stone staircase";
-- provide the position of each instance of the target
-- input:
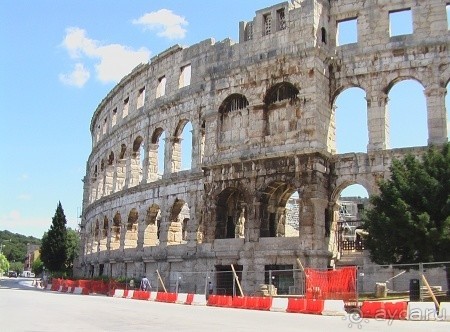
(358, 258)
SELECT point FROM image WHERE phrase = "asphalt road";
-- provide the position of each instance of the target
(25, 308)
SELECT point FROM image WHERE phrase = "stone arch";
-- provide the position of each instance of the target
(282, 113)
(111, 158)
(156, 154)
(233, 102)
(228, 208)
(274, 215)
(179, 214)
(152, 225)
(348, 130)
(137, 161)
(279, 92)
(115, 231)
(182, 146)
(104, 233)
(412, 109)
(131, 234)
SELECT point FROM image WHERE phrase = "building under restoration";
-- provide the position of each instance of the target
(264, 175)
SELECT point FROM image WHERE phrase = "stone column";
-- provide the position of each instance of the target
(377, 121)
(319, 206)
(437, 115)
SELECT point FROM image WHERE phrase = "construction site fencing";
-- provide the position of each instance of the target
(401, 279)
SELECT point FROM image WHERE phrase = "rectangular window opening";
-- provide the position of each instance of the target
(185, 76)
(125, 107)
(141, 98)
(114, 117)
(267, 29)
(161, 89)
(400, 22)
(347, 32)
(281, 17)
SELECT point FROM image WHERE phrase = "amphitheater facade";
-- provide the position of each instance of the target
(260, 116)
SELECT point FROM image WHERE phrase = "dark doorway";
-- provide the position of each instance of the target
(225, 283)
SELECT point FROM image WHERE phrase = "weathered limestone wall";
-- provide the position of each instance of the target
(263, 127)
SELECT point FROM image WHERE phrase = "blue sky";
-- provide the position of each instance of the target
(60, 58)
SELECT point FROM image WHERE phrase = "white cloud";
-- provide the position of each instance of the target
(113, 61)
(78, 77)
(169, 24)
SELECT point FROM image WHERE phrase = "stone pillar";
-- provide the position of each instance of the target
(377, 120)
(437, 115)
(167, 156)
(175, 164)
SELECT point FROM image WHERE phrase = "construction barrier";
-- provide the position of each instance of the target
(238, 302)
(339, 284)
(166, 297)
(444, 311)
(119, 293)
(372, 309)
(334, 308)
(189, 299)
(296, 305)
(182, 298)
(279, 304)
(421, 311)
(199, 299)
(395, 310)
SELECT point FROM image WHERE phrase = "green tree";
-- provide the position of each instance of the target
(72, 244)
(16, 266)
(54, 243)
(37, 267)
(4, 264)
(409, 221)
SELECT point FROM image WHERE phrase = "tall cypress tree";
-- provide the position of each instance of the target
(54, 248)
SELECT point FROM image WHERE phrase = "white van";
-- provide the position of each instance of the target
(27, 274)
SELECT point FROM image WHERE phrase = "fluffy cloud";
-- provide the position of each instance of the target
(112, 62)
(165, 21)
(78, 77)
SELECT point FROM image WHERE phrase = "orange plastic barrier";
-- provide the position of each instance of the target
(238, 302)
(212, 300)
(252, 302)
(339, 284)
(373, 309)
(296, 305)
(125, 293)
(189, 299)
(396, 310)
(314, 306)
(166, 297)
(265, 303)
(225, 301)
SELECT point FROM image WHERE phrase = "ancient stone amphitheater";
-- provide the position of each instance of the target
(260, 120)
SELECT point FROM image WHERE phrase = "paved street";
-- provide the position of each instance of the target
(25, 308)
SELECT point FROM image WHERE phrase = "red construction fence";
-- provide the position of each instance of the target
(339, 284)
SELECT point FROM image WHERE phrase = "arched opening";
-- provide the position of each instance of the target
(229, 211)
(407, 104)
(121, 168)
(182, 147)
(350, 112)
(131, 234)
(233, 102)
(115, 231)
(279, 92)
(137, 162)
(179, 217)
(152, 226)
(280, 211)
(104, 234)
(156, 155)
(347, 231)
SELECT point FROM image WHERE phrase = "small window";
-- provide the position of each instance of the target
(323, 32)
(125, 107)
(347, 32)
(105, 124)
(267, 21)
(281, 17)
(400, 23)
(141, 98)
(114, 117)
(161, 88)
(185, 76)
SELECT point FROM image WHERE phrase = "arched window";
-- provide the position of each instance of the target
(233, 102)
(281, 91)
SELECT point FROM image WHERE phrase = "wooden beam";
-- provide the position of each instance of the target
(161, 281)
(430, 291)
(237, 280)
